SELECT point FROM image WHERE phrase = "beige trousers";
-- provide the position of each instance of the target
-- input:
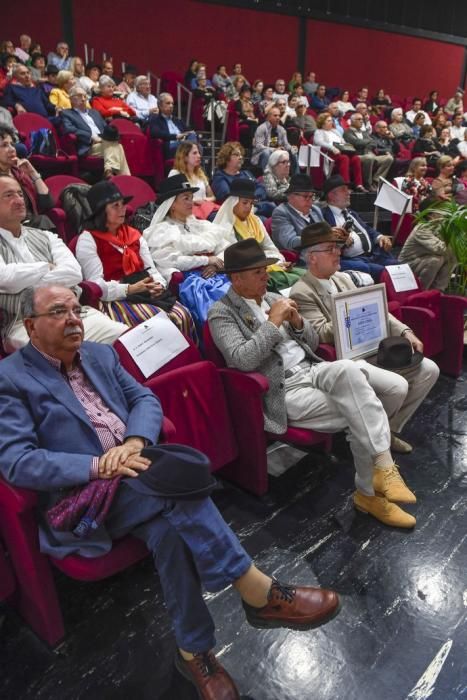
(113, 155)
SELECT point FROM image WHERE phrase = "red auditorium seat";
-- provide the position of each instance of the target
(129, 185)
(244, 392)
(36, 598)
(437, 319)
(137, 148)
(60, 163)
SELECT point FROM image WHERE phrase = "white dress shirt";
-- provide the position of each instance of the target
(141, 104)
(357, 247)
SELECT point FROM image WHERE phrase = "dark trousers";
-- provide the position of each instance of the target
(192, 547)
(372, 264)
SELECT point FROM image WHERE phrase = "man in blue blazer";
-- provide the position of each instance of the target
(167, 128)
(71, 415)
(366, 250)
(93, 136)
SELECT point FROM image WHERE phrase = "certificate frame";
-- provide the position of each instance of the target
(360, 321)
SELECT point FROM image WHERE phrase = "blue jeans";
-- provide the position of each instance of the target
(372, 264)
(192, 547)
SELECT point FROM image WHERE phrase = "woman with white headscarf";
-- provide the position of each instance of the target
(276, 176)
(237, 214)
(181, 243)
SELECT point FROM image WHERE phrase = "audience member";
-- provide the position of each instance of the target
(456, 129)
(276, 177)
(51, 79)
(455, 103)
(128, 81)
(289, 218)
(446, 145)
(431, 260)
(304, 121)
(190, 73)
(221, 79)
(383, 141)
(32, 256)
(188, 163)
(38, 65)
(237, 213)
(415, 110)
(426, 145)
(418, 123)
(365, 249)
(264, 332)
(431, 104)
(93, 136)
(60, 96)
(414, 182)
(318, 100)
(344, 104)
(23, 96)
(246, 116)
(107, 104)
(268, 100)
(361, 96)
(280, 89)
(373, 166)
(116, 257)
(77, 67)
(108, 68)
(440, 121)
(166, 127)
(294, 82)
(269, 137)
(7, 65)
(443, 184)
(310, 85)
(61, 57)
(141, 99)
(23, 51)
(398, 127)
(257, 91)
(343, 154)
(90, 81)
(381, 99)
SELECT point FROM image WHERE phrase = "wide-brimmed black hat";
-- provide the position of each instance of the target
(177, 471)
(396, 353)
(172, 186)
(320, 232)
(245, 255)
(51, 69)
(103, 193)
(333, 182)
(242, 187)
(300, 183)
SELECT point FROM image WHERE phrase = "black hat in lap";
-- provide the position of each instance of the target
(396, 353)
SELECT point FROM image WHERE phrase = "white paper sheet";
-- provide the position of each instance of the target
(153, 343)
(309, 151)
(392, 199)
(402, 277)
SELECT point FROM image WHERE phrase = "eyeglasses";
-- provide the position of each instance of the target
(61, 313)
(310, 196)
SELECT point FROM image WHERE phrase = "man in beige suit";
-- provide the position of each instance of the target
(313, 293)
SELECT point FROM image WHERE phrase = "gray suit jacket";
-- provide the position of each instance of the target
(314, 304)
(250, 346)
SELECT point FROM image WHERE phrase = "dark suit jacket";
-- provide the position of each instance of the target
(47, 441)
(73, 123)
(158, 129)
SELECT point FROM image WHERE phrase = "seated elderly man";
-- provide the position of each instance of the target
(373, 166)
(400, 395)
(365, 249)
(426, 253)
(166, 127)
(289, 218)
(141, 99)
(269, 137)
(416, 109)
(75, 420)
(93, 136)
(362, 108)
(264, 332)
(22, 95)
(60, 57)
(32, 256)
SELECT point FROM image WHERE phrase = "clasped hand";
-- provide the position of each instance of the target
(123, 460)
(155, 289)
(285, 310)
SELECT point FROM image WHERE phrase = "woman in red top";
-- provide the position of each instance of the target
(116, 257)
(107, 104)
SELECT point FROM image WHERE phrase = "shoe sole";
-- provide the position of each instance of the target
(276, 624)
(366, 512)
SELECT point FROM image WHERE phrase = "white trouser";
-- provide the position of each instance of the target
(113, 155)
(401, 394)
(97, 327)
(335, 396)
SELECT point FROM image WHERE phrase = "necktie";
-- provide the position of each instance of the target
(361, 234)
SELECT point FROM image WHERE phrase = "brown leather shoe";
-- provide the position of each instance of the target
(208, 676)
(300, 608)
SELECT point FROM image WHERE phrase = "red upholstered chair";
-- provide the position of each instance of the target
(56, 185)
(61, 163)
(129, 185)
(7, 579)
(36, 598)
(233, 123)
(137, 148)
(244, 392)
(437, 319)
(88, 164)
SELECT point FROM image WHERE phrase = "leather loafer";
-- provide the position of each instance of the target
(400, 446)
(299, 608)
(390, 484)
(384, 511)
(208, 676)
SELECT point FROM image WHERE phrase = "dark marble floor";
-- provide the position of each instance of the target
(401, 634)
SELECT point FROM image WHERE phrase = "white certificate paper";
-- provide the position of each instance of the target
(392, 199)
(402, 277)
(153, 343)
(309, 152)
(360, 321)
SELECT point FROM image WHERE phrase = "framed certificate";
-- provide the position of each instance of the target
(360, 321)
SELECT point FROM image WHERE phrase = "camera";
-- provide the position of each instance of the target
(348, 226)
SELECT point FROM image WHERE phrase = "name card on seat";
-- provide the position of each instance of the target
(402, 277)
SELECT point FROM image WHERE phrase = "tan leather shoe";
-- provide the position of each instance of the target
(400, 446)
(381, 509)
(299, 608)
(208, 676)
(389, 483)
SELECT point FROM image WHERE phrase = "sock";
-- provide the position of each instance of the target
(384, 460)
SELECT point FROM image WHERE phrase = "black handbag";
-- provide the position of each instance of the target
(164, 301)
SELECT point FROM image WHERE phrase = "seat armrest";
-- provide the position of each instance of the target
(16, 498)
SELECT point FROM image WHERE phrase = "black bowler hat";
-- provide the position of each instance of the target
(51, 69)
(300, 183)
(320, 232)
(245, 255)
(396, 353)
(103, 193)
(243, 187)
(172, 186)
(177, 471)
(333, 182)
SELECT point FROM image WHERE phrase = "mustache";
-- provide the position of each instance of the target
(73, 329)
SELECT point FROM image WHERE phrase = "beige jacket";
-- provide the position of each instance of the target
(314, 304)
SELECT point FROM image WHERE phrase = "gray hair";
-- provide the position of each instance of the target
(75, 89)
(164, 95)
(396, 111)
(354, 116)
(27, 302)
(140, 79)
(106, 80)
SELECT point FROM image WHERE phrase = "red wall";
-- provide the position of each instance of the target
(350, 57)
(162, 36)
